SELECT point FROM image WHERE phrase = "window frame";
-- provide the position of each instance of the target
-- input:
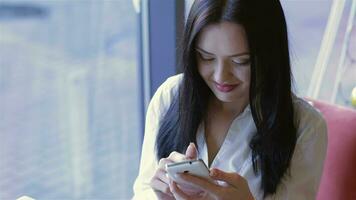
(161, 24)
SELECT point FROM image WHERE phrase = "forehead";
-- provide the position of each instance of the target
(224, 38)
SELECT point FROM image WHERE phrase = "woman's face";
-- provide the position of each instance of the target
(223, 59)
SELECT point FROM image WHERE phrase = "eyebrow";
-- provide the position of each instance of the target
(234, 55)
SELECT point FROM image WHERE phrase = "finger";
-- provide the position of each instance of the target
(177, 193)
(158, 185)
(162, 163)
(191, 152)
(162, 175)
(176, 157)
(234, 179)
(201, 183)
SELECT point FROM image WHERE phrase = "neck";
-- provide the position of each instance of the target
(232, 109)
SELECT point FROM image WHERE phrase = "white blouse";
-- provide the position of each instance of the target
(235, 154)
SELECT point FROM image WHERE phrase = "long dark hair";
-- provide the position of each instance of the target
(270, 88)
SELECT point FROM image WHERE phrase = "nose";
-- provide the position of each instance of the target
(222, 73)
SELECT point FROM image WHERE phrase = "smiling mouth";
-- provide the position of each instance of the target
(225, 87)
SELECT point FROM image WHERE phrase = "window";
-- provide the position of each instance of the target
(306, 34)
(69, 105)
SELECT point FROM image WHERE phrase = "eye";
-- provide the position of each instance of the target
(205, 57)
(241, 62)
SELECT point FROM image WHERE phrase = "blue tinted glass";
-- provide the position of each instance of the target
(69, 115)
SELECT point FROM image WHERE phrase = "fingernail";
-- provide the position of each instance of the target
(190, 152)
(192, 144)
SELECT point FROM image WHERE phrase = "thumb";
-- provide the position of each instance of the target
(191, 152)
(232, 178)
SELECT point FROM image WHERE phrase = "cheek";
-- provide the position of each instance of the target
(204, 71)
(243, 74)
(247, 76)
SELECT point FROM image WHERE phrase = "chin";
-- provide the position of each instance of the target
(228, 98)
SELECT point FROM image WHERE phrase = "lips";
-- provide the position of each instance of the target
(225, 87)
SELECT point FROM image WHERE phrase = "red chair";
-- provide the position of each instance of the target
(339, 176)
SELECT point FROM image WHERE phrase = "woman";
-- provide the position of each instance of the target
(233, 107)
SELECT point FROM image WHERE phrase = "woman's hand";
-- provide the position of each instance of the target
(160, 181)
(236, 187)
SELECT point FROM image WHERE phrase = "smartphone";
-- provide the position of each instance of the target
(193, 167)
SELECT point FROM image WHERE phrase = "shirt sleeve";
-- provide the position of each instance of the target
(307, 163)
(148, 164)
